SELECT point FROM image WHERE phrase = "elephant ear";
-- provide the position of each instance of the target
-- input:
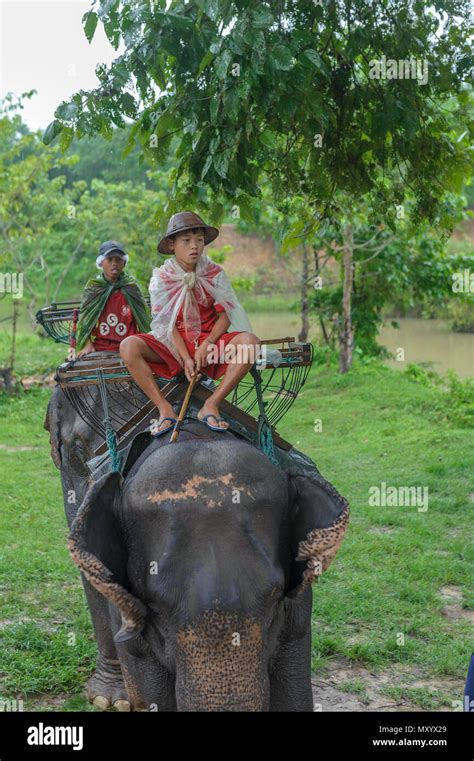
(318, 520)
(96, 546)
(51, 424)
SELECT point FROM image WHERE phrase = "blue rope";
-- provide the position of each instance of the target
(110, 437)
(112, 446)
(265, 439)
(265, 434)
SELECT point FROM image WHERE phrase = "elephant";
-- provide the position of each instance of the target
(197, 562)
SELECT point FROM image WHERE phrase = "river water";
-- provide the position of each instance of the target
(430, 342)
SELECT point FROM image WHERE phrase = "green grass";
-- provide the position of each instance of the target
(275, 303)
(427, 700)
(46, 642)
(356, 687)
(34, 355)
(377, 425)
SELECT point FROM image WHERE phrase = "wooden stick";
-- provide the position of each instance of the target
(184, 406)
(72, 339)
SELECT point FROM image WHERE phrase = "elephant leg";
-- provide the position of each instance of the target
(106, 687)
(150, 686)
(290, 680)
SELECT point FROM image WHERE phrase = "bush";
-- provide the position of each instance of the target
(455, 396)
(461, 316)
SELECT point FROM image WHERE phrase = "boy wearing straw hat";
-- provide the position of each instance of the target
(193, 306)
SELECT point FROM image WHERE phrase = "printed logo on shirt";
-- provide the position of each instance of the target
(125, 310)
(121, 329)
(112, 322)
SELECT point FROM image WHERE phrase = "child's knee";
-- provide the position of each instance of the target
(129, 348)
(249, 338)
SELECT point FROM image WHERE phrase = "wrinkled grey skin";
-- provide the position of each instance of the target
(72, 444)
(196, 596)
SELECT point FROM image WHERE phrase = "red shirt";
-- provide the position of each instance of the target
(168, 366)
(115, 323)
(208, 314)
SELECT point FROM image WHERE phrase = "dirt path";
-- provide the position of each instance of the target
(346, 685)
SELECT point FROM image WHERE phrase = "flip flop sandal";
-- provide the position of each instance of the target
(214, 427)
(165, 430)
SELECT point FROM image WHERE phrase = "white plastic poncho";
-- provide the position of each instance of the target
(171, 287)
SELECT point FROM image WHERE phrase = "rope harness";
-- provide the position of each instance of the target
(110, 437)
(265, 435)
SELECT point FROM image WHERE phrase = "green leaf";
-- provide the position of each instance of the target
(117, 120)
(222, 64)
(142, 80)
(245, 207)
(89, 22)
(262, 18)
(231, 103)
(52, 131)
(268, 138)
(357, 41)
(221, 162)
(106, 130)
(65, 140)
(131, 139)
(167, 122)
(282, 57)
(214, 109)
(128, 104)
(112, 31)
(66, 111)
(256, 39)
(185, 146)
(206, 166)
(205, 62)
(210, 8)
(215, 142)
(178, 20)
(316, 60)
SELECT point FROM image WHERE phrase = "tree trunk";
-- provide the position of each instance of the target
(6, 374)
(303, 334)
(16, 309)
(32, 311)
(70, 263)
(346, 336)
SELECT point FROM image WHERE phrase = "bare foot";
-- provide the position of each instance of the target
(212, 409)
(166, 410)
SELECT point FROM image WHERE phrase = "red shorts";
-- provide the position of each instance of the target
(170, 366)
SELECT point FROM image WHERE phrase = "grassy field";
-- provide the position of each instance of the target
(398, 596)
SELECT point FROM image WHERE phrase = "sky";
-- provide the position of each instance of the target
(43, 47)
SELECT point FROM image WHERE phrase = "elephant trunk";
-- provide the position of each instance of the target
(220, 665)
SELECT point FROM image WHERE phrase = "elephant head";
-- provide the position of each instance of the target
(207, 552)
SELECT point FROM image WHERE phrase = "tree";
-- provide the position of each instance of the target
(378, 267)
(30, 205)
(104, 161)
(320, 97)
